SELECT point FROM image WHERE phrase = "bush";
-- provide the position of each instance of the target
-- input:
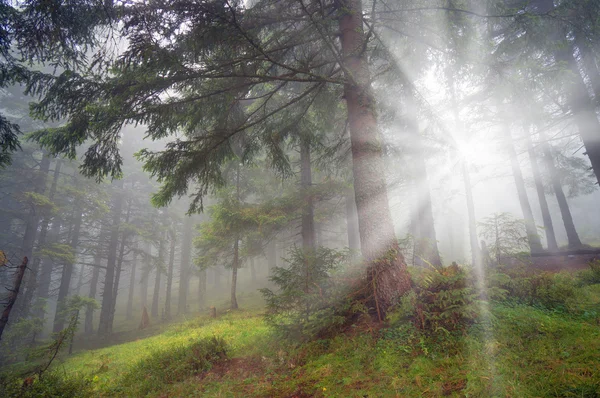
(555, 291)
(308, 302)
(53, 384)
(175, 365)
(590, 276)
(443, 300)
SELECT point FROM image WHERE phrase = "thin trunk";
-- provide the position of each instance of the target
(475, 251)
(308, 219)
(539, 187)
(118, 269)
(107, 293)
(29, 237)
(14, 293)
(271, 256)
(572, 236)
(535, 245)
(387, 275)
(202, 289)
(67, 272)
(129, 309)
(34, 276)
(170, 275)
(155, 297)
(236, 254)
(47, 266)
(89, 312)
(252, 270)
(186, 249)
(145, 277)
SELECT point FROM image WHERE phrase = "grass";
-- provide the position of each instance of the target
(521, 351)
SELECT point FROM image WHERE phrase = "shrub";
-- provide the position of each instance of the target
(308, 301)
(556, 291)
(590, 276)
(444, 300)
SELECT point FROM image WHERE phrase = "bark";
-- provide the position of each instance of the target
(67, 271)
(387, 275)
(563, 205)
(539, 187)
(186, 250)
(129, 309)
(107, 293)
(155, 297)
(535, 245)
(14, 293)
(170, 275)
(352, 222)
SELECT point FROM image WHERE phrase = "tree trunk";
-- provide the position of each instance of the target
(202, 289)
(352, 222)
(271, 256)
(14, 293)
(186, 249)
(475, 251)
(145, 277)
(535, 245)
(129, 309)
(572, 236)
(67, 272)
(29, 237)
(107, 293)
(539, 187)
(426, 239)
(170, 274)
(155, 297)
(308, 219)
(236, 254)
(252, 271)
(34, 277)
(387, 275)
(89, 312)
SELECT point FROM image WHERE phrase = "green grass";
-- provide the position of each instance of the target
(521, 351)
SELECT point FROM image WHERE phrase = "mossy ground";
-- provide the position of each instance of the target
(519, 351)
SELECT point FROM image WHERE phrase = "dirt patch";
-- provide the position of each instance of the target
(237, 368)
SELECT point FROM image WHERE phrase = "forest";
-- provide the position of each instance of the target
(300, 198)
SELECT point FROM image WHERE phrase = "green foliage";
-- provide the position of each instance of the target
(309, 300)
(53, 384)
(58, 252)
(175, 364)
(590, 276)
(556, 291)
(444, 300)
(17, 339)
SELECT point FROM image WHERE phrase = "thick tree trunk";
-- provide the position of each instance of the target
(539, 187)
(563, 205)
(170, 274)
(67, 272)
(352, 222)
(387, 275)
(186, 249)
(129, 309)
(107, 293)
(159, 266)
(535, 245)
(14, 293)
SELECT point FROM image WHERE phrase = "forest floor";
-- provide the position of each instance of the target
(517, 351)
